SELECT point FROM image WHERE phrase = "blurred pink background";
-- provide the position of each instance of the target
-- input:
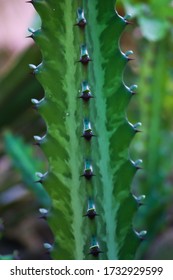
(15, 18)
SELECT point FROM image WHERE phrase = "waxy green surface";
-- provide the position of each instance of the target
(106, 154)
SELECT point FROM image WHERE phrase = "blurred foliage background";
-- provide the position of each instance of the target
(23, 225)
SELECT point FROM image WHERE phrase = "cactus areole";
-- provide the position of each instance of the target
(88, 134)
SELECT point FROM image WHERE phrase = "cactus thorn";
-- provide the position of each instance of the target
(42, 177)
(88, 175)
(88, 170)
(138, 168)
(86, 93)
(81, 24)
(137, 131)
(43, 213)
(141, 234)
(39, 140)
(130, 58)
(127, 19)
(48, 247)
(91, 211)
(132, 89)
(87, 131)
(32, 66)
(29, 37)
(129, 52)
(135, 127)
(137, 164)
(81, 21)
(36, 103)
(139, 199)
(85, 97)
(94, 248)
(31, 30)
(126, 56)
(88, 135)
(84, 58)
(39, 181)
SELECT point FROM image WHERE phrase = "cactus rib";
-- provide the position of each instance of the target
(81, 232)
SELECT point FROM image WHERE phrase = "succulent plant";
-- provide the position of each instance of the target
(88, 133)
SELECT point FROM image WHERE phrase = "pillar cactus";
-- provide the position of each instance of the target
(88, 133)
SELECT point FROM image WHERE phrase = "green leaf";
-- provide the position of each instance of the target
(153, 29)
(153, 18)
(6, 257)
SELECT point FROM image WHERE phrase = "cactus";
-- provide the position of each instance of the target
(88, 133)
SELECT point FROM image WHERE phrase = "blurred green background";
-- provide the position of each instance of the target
(150, 36)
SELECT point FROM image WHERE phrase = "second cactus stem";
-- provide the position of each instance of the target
(88, 134)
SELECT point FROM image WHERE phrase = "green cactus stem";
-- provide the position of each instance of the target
(87, 32)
